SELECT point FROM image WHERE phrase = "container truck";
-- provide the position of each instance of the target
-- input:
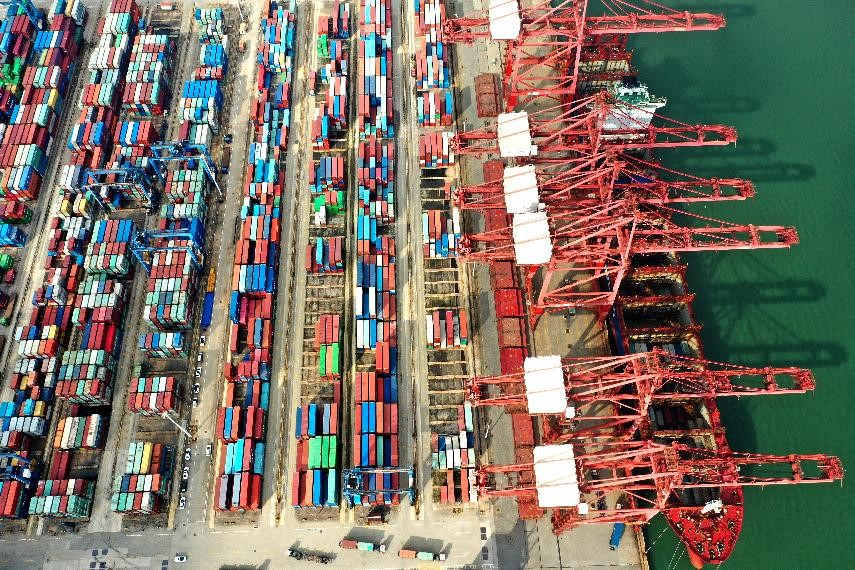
(349, 544)
(6, 311)
(309, 556)
(420, 555)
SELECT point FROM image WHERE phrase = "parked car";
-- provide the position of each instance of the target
(209, 449)
(182, 503)
(180, 558)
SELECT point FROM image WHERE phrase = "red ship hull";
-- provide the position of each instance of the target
(709, 538)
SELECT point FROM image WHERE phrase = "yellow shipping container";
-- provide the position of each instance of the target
(146, 458)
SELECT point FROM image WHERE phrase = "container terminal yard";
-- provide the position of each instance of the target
(378, 283)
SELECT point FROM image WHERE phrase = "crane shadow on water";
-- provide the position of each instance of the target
(742, 320)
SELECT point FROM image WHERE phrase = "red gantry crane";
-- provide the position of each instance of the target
(610, 396)
(544, 41)
(644, 475)
(590, 179)
(586, 126)
(580, 248)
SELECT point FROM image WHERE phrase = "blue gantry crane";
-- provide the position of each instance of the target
(22, 471)
(146, 244)
(185, 152)
(128, 177)
(353, 483)
(36, 16)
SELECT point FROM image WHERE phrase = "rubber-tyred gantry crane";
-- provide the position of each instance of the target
(611, 395)
(645, 475)
(544, 41)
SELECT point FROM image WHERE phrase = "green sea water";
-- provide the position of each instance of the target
(782, 73)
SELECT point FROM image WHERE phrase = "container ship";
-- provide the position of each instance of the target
(578, 217)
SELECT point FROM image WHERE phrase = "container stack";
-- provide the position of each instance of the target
(240, 430)
(435, 149)
(213, 58)
(325, 255)
(447, 328)
(374, 82)
(28, 139)
(257, 254)
(86, 377)
(98, 137)
(375, 299)
(455, 455)
(85, 432)
(15, 213)
(440, 233)
(10, 236)
(435, 108)
(152, 395)
(144, 487)
(432, 68)
(278, 29)
(16, 41)
(327, 184)
(28, 417)
(375, 434)
(100, 299)
(333, 53)
(315, 482)
(487, 102)
(240, 473)
(109, 250)
(63, 498)
(162, 345)
(14, 499)
(169, 290)
(147, 81)
(251, 328)
(328, 345)
(375, 163)
(201, 102)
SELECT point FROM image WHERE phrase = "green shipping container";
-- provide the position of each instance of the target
(315, 453)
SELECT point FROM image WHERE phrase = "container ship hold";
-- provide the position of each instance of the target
(579, 214)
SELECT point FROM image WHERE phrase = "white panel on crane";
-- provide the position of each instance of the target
(532, 244)
(555, 476)
(514, 135)
(520, 187)
(544, 385)
(505, 22)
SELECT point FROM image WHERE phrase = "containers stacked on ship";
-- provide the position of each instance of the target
(240, 428)
(316, 478)
(31, 97)
(144, 486)
(446, 318)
